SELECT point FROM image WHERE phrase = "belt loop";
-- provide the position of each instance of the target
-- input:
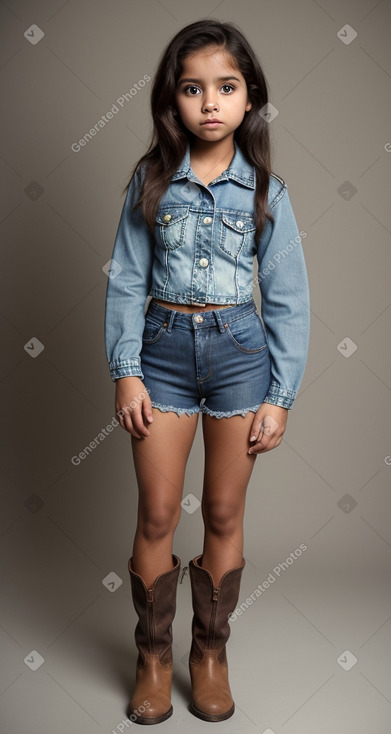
(218, 320)
(171, 321)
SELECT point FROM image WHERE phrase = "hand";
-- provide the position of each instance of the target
(268, 428)
(133, 406)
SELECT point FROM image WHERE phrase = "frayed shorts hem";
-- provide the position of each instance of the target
(202, 408)
(172, 409)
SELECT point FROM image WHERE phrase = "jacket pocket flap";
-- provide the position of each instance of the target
(239, 222)
(171, 215)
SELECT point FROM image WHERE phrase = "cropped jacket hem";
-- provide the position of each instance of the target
(189, 300)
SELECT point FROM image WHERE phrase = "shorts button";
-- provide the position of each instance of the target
(204, 262)
(207, 220)
(198, 318)
(167, 217)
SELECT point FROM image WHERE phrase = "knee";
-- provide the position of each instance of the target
(221, 518)
(158, 521)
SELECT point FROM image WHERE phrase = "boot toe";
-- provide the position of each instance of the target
(152, 715)
(212, 699)
(210, 711)
(151, 701)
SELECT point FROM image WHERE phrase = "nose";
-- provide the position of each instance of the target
(210, 105)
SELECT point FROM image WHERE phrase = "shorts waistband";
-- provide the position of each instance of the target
(218, 316)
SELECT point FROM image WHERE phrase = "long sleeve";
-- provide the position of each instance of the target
(283, 281)
(127, 288)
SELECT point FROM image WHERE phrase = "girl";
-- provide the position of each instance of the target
(200, 204)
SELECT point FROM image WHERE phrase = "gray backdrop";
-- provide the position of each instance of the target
(311, 652)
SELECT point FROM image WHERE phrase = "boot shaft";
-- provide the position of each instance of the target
(212, 606)
(156, 608)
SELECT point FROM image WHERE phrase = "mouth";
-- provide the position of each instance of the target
(212, 122)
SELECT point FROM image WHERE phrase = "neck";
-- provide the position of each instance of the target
(212, 151)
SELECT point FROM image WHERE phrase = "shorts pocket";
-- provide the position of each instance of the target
(248, 333)
(153, 330)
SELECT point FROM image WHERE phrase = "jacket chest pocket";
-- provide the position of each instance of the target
(171, 225)
(236, 230)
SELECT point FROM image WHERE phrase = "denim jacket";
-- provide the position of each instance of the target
(202, 251)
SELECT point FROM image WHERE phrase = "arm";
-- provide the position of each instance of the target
(127, 289)
(283, 281)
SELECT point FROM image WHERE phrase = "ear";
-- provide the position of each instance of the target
(248, 106)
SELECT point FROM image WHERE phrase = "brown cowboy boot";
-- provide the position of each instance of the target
(156, 607)
(211, 693)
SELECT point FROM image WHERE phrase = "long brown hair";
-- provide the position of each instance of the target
(170, 137)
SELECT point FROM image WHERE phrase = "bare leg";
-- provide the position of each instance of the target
(228, 468)
(160, 462)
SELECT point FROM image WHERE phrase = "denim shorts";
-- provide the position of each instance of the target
(216, 362)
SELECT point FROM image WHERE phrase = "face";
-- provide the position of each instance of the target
(209, 87)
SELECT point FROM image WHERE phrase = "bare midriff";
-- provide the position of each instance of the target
(191, 308)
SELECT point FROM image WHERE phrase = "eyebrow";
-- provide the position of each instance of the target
(219, 79)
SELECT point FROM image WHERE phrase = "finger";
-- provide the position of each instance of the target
(120, 417)
(136, 423)
(265, 445)
(259, 447)
(255, 428)
(125, 421)
(147, 408)
(270, 425)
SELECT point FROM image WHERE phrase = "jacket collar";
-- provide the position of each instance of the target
(238, 170)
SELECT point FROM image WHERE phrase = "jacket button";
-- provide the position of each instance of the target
(167, 217)
(207, 220)
(239, 224)
(204, 262)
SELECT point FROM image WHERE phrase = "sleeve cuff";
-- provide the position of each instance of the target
(125, 368)
(280, 396)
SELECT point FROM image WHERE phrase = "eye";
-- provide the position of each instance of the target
(230, 87)
(192, 86)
